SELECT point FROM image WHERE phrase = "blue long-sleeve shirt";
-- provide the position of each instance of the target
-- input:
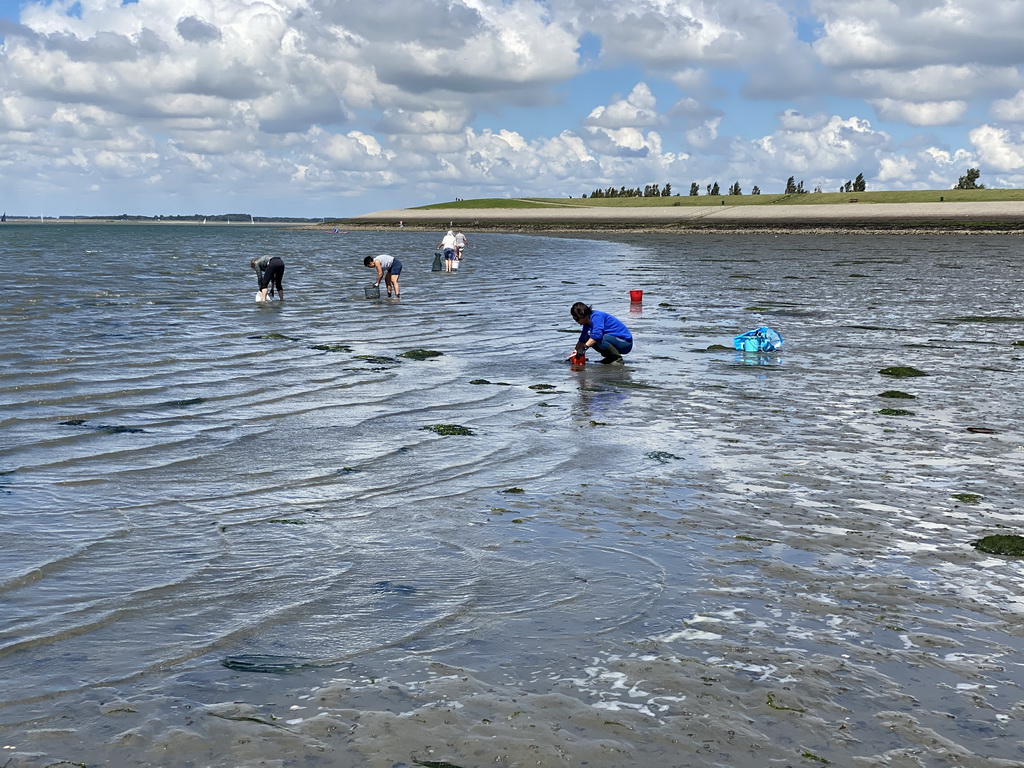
(602, 323)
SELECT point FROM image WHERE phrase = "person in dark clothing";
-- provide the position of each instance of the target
(270, 270)
(601, 331)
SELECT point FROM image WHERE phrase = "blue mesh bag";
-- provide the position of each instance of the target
(763, 339)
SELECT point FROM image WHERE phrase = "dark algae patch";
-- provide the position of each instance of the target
(1007, 544)
(661, 456)
(902, 372)
(988, 319)
(377, 359)
(895, 394)
(279, 336)
(332, 347)
(895, 412)
(542, 386)
(266, 663)
(287, 521)
(421, 354)
(967, 498)
(448, 429)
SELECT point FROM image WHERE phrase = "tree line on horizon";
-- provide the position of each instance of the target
(859, 184)
(654, 190)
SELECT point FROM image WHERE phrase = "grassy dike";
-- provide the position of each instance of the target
(982, 210)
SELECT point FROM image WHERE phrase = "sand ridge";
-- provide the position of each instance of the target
(1006, 215)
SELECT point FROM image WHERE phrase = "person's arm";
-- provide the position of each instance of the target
(380, 272)
(583, 343)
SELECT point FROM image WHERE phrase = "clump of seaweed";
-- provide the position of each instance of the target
(967, 498)
(280, 336)
(287, 521)
(541, 386)
(479, 381)
(448, 429)
(988, 319)
(1001, 544)
(1018, 343)
(895, 412)
(421, 354)
(902, 372)
(332, 347)
(661, 456)
(377, 359)
(266, 663)
(514, 490)
(897, 395)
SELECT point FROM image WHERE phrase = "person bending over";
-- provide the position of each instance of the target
(271, 270)
(388, 269)
(601, 331)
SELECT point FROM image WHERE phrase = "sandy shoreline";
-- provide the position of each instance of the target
(1007, 217)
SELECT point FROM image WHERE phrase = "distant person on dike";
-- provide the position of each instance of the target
(270, 270)
(388, 269)
(460, 244)
(601, 331)
(447, 247)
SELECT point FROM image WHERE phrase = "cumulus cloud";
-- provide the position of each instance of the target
(882, 33)
(998, 147)
(920, 113)
(1011, 109)
(638, 109)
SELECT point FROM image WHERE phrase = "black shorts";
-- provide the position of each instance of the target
(272, 274)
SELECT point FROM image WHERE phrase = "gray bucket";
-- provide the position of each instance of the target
(373, 291)
(438, 265)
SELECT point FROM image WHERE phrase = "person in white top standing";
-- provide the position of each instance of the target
(447, 246)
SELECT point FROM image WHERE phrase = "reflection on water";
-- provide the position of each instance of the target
(231, 536)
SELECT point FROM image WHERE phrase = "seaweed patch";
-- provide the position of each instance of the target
(967, 498)
(332, 347)
(902, 372)
(895, 412)
(662, 456)
(897, 395)
(279, 336)
(258, 662)
(1001, 544)
(421, 354)
(448, 429)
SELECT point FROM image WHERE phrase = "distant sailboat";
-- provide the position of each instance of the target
(3, 218)
(251, 219)
(204, 220)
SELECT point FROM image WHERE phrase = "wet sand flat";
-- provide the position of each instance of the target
(240, 535)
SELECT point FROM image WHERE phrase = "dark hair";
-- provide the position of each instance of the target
(368, 261)
(253, 263)
(580, 311)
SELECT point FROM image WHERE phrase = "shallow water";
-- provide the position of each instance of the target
(222, 545)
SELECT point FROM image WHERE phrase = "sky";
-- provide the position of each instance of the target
(332, 108)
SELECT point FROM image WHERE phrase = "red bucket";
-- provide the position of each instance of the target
(636, 296)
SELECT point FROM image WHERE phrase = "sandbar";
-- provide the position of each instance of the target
(1005, 217)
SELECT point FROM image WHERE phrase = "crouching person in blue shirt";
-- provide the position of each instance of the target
(605, 333)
